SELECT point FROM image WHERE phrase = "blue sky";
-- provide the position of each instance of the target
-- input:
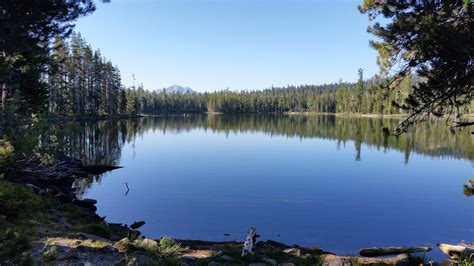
(238, 44)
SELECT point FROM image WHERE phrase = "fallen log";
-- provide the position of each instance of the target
(99, 168)
(457, 251)
(377, 252)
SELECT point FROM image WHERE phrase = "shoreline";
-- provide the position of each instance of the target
(55, 118)
(63, 228)
(65, 118)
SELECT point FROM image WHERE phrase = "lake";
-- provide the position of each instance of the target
(334, 182)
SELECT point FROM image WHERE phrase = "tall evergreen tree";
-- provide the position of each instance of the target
(433, 39)
(359, 92)
(26, 28)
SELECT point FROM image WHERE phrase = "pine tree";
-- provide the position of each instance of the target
(359, 92)
(432, 39)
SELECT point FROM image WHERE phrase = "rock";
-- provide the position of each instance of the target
(149, 243)
(136, 225)
(90, 201)
(313, 251)
(336, 262)
(63, 198)
(85, 236)
(270, 261)
(226, 258)
(293, 251)
(141, 258)
(36, 189)
(63, 181)
(257, 264)
(213, 263)
(85, 204)
(121, 244)
(218, 253)
(31, 221)
(286, 264)
(118, 231)
(83, 255)
(191, 258)
(271, 243)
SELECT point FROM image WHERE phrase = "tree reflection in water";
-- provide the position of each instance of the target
(101, 142)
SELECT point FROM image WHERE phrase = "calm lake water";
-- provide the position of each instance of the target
(327, 181)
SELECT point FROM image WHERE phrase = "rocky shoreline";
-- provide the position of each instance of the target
(64, 229)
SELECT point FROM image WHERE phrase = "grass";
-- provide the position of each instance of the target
(166, 252)
(50, 254)
(167, 247)
(97, 229)
(354, 261)
(51, 241)
(17, 205)
(13, 244)
(465, 261)
(415, 260)
(95, 243)
(317, 261)
(16, 201)
(6, 151)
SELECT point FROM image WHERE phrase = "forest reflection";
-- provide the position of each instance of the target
(102, 141)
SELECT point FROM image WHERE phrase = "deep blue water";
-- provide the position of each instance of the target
(203, 182)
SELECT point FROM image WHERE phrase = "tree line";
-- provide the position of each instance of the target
(361, 97)
(82, 81)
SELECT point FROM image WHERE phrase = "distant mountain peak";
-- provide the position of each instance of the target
(179, 89)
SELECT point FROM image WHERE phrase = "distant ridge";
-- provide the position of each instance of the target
(179, 89)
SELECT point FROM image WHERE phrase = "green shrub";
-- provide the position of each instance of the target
(414, 259)
(17, 201)
(12, 244)
(50, 254)
(6, 150)
(465, 260)
(169, 247)
(101, 230)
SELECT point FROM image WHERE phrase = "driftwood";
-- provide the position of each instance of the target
(377, 252)
(250, 240)
(457, 251)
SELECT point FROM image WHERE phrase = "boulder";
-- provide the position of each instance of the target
(226, 258)
(270, 261)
